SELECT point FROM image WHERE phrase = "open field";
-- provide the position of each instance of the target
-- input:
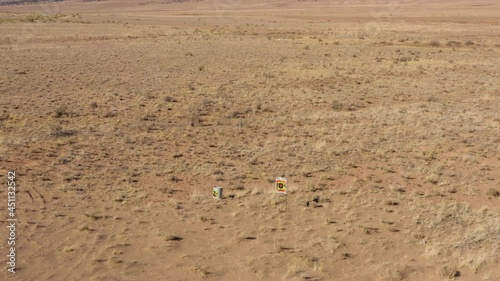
(120, 116)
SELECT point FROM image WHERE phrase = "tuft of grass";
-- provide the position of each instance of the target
(121, 198)
(5, 117)
(453, 43)
(174, 178)
(391, 203)
(58, 131)
(337, 106)
(84, 228)
(345, 255)
(435, 43)
(493, 192)
(291, 269)
(449, 272)
(169, 99)
(68, 249)
(173, 237)
(61, 111)
(93, 216)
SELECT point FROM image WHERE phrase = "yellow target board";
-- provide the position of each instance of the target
(281, 184)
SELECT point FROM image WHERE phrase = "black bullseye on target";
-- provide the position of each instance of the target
(281, 185)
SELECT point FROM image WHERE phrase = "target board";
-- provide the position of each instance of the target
(281, 185)
(217, 192)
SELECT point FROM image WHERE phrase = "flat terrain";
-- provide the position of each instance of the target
(120, 116)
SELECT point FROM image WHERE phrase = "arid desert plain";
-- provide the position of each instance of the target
(119, 117)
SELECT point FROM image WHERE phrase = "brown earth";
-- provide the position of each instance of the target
(120, 116)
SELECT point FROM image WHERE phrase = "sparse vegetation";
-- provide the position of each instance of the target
(59, 131)
(172, 237)
(435, 43)
(493, 192)
(170, 99)
(61, 111)
(386, 130)
(337, 106)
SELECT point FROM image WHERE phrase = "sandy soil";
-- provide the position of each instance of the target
(120, 116)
